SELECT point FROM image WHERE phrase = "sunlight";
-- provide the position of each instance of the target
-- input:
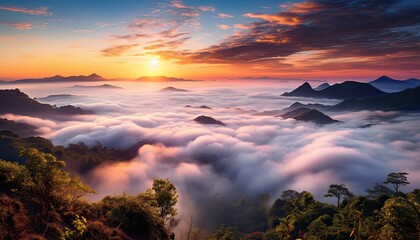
(154, 62)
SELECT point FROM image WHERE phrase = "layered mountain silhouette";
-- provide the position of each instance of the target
(309, 115)
(407, 100)
(57, 78)
(103, 86)
(322, 86)
(22, 129)
(345, 90)
(173, 89)
(295, 113)
(202, 107)
(55, 97)
(316, 117)
(388, 84)
(161, 79)
(297, 105)
(208, 120)
(17, 102)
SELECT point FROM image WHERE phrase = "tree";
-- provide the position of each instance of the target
(48, 186)
(397, 179)
(166, 197)
(378, 190)
(339, 191)
(400, 218)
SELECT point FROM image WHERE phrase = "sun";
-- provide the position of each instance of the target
(154, 62)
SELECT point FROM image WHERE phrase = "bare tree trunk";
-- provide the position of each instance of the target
(190, 228)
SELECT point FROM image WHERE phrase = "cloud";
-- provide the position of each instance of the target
(25, 25)
(318, 35)
(242, 26)
(36, 11)
(82, 31)
(118, 50)
(224, 15)
(224, 27)
(207, 8)
(278, 18)
(249, 156)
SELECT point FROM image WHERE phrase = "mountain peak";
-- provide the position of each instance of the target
(303, 90)
(93, 75)
(384, 78)
(306, 85)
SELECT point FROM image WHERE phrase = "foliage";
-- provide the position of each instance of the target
(226, 233)
(47, 185)
(378, 190)
(397, 180)
(400, 218)
(10, 174)
(166, 197)
(339, 191)
(78, 228)
(78, 156)
(136, 215)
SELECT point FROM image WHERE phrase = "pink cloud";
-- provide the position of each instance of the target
(224, 27)
(36, 11)
(224, 15)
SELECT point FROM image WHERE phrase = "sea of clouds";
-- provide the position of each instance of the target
(249, 156)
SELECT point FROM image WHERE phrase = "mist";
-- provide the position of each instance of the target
(250, 156)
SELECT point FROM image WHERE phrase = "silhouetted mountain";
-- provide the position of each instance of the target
(22, 129)
(162, 79)
(315, 116)
(404, 101)
(17, 102)
(322, 87)
(345, 90)
(413, 80)
(269, 113)
(295, 113)
(388, 84)
(173, 89)
(103, 86)
(57, 78)
(202, 107)
(56, 97)
(304, 90)
(297, 105)
(208, 120)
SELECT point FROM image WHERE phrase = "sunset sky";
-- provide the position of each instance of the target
(206, 39)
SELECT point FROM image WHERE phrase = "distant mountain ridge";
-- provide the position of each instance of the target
(162, 79)
(22, 129)
(173, 89)
(388, 84)
(103, 86)
(322, 86)
(16, 102)
(345, 90)
(407, 100)
(58, 78)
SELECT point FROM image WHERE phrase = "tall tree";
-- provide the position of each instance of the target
(378, 190)
(48, 186)
(166, 196)
(397, 180)
(339, 191)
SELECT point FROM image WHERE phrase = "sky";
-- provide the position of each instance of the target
(210, 39)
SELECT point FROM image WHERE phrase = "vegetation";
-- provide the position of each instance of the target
(39, 199)
(397, 179)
